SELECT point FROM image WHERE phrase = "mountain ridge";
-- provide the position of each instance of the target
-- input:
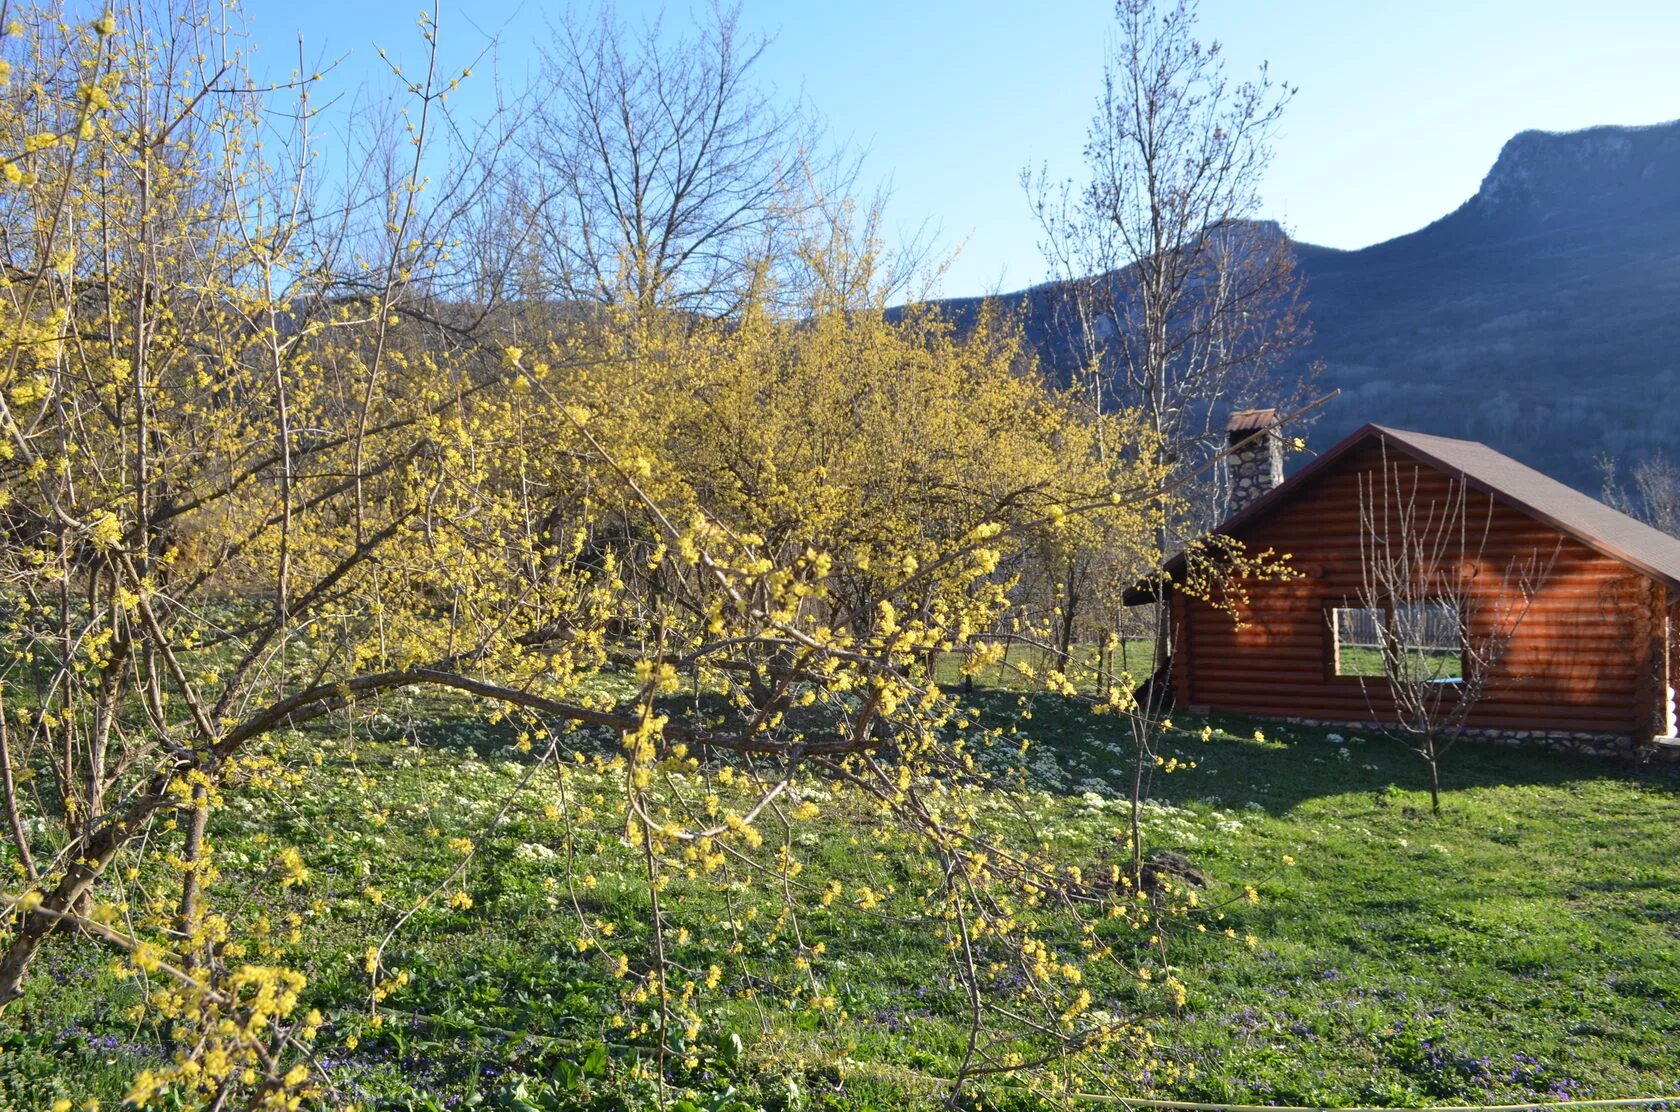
(1542, 315)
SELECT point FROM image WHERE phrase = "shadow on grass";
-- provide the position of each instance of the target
(1280, 765)
(1245, 760)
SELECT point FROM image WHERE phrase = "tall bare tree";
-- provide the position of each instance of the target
(1167, 293)
(661, 171)
(1655, 497)
(1439, 613)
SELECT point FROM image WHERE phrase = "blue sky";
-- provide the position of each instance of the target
(1401, 106)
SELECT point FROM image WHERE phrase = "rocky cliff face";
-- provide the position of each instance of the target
(1616, 172)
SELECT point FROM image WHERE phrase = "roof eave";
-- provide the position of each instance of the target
(1291, 487)
(1599, 546)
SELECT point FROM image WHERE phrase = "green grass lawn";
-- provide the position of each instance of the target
(1525, 947)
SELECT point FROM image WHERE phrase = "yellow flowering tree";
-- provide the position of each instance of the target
(257, 471)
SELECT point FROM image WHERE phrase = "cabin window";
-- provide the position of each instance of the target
(1425, 640)
(1359, 634)
(1430, 639)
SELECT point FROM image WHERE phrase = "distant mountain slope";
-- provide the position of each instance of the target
(1542, 316)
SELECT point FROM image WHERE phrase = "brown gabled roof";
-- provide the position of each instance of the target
(1605, 530)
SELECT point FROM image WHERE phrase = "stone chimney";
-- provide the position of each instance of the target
(1257, 466)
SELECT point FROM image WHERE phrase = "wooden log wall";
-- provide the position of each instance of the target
(1586, 657)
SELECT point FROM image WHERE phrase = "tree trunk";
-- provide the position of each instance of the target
(76, 887)
(14, 966)
(188, 917)
(1434, 764)
(1137, 817)
(1064, 639)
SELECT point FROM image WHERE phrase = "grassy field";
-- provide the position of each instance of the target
(1525, 947)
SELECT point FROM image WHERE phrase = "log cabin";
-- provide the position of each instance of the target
(1586, 665)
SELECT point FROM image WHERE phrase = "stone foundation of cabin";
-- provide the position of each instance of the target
(1620, 746)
